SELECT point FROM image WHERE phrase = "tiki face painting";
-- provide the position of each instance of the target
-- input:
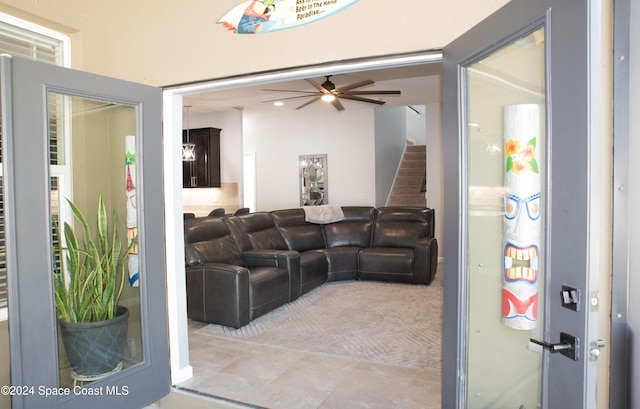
(522, 211)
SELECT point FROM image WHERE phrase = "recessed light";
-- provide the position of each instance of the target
(278, 103)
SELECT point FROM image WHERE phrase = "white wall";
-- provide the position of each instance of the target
(182, 43)
(416, 124)
(391, 139)
(347, 137)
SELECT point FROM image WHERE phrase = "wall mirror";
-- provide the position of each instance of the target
(313, 180)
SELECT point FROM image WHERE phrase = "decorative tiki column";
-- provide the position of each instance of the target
(132, 209)
(521, 217)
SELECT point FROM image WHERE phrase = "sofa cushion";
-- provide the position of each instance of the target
(354, 230)
(401, 226)
(208, 240)
(255, 231)
(342, 263)
(313, 270)
(297, 233)
(386, 264)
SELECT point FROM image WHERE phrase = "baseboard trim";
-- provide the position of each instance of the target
(182, 375)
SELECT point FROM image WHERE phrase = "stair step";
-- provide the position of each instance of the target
(413, 164)
(418, 156)
(408, 171)
(401, 201)
(406, 189)
(410, 184)
(416, 148)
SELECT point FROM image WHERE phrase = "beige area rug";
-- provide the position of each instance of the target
(389, 323)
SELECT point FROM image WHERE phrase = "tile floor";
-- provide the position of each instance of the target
(278, 378)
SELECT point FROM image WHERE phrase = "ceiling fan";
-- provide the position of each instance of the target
(328, 92)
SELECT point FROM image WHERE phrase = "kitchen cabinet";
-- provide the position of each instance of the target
(205, 170)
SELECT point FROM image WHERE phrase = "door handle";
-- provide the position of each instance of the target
(568, 345)
(561, 346)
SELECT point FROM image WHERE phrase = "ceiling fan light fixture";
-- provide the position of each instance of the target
(328, 85)
(328, 97)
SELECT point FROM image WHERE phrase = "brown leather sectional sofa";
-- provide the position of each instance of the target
(241, 267)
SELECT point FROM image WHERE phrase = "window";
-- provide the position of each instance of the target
(20, 38)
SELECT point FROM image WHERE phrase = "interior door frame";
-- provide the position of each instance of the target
(624, 380)
(173, 95)
(573, 75)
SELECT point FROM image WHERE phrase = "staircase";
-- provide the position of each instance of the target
(406, 190)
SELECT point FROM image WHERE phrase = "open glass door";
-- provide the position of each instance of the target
(73, 141)
(518, 321)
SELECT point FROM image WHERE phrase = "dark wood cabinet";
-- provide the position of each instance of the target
(205, 170)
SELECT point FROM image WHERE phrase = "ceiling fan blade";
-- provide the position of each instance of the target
(329, 87)
(368, 100)
(373, 93)
(316, 85)
(307, 103)
(336, 103)
(288, 98)
(288, 90)
(355, 85)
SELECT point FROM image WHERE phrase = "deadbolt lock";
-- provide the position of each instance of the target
(594, 349)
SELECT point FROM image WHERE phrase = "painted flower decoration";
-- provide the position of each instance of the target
(130, 158)
(521, 159)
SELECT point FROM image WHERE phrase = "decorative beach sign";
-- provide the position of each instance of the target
(263, 16)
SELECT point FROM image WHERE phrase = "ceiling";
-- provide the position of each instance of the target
(419, 84)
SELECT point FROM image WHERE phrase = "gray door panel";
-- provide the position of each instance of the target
(569, 248)
(35, 354)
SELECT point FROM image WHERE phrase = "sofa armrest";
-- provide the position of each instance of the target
(287, 259)
(426, 254)
(218, 293)
(261, 257)
(290, 259)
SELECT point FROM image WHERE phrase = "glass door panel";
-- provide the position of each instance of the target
(92, 156)
(505, 170)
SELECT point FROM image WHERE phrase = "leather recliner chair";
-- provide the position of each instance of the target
(258, 238)
(224, 288)
(402, 249)
(306, 239)
(345, 239)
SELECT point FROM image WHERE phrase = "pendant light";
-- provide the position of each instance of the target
(188, 148)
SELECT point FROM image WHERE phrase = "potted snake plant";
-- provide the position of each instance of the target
(87, 291)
